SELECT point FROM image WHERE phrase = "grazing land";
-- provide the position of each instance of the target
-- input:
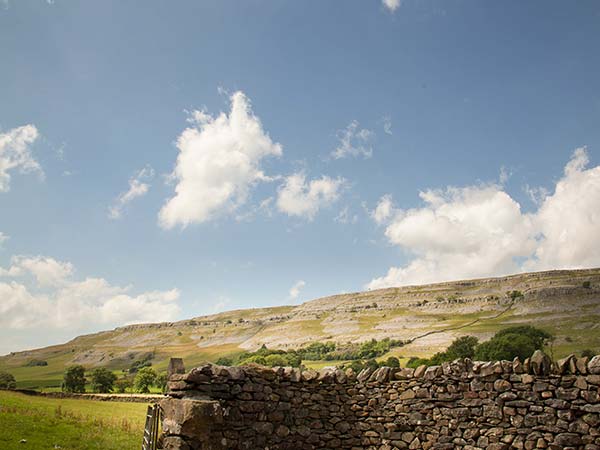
(69, 424)
(425, 318)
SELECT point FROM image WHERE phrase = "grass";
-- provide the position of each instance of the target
(69, 424)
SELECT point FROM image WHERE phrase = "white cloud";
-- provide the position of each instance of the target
(345, 217)
(218, 164)
(15, 154)
(137, 188)
(384, 210)
(387, 125)
(569, 219)
(296, 288)
(62, 306)
(47, 271)
(480, 231)
(353, 141)
(302, 198)
(392, 5)
(3, 238)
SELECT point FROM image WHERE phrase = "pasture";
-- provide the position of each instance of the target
(69, 424)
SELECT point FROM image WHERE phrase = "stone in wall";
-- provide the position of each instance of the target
(464, 404)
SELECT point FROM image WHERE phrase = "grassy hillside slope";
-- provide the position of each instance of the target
(565, 303)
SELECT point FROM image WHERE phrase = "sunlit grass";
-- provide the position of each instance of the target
(69, 424)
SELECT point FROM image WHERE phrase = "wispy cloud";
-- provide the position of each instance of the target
(353, 141)
(391, 5)
(137, 188)
(296, 289)
(15, 154)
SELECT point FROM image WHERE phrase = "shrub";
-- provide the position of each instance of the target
(103, 380)
(145, 378)
(74, 379)
(36, 363)
(513, 295)
(144, 361)
(586, 284)
(7, 381)
(224, 361)
(392, 361)
(588, 352)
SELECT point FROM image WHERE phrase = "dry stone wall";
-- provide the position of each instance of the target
(463, 404)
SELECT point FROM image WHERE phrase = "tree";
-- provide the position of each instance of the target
(122, 384)
(463, 347)
(512, 342)
(74, 379)
(7, 381)
(392, 361)
(161, 382)
(103, 380)
(145, 378)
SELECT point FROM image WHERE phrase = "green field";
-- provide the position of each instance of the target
(69, 424)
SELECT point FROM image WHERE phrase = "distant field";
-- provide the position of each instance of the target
(69, 424)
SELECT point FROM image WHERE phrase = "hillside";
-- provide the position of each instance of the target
(565, 303)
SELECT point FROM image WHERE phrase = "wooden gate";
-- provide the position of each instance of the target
(152, 428)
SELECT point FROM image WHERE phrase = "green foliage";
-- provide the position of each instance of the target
(519, 341)
(144, 379)
(508, 343)
(36, 363)
(7, 381)
(103, 380)
(392, 361)
(586, 284)
(513, 295)
(588, 352)
(224, 361)
(74, 379)
(161, 382)
(122, 384)
(145, 361)
(463, 347)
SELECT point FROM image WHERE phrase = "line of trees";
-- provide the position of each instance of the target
(103, 380)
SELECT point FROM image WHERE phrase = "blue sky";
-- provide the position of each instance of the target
(374, 144)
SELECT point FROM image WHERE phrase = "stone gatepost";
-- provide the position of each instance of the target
(187, 424)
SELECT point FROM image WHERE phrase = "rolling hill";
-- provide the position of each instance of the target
(428, 317)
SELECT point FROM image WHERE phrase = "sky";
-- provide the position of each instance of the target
(165, 160)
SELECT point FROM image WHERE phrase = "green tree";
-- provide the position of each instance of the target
(7, 381)
(145, 378)
(122, 384)
(103, 380)
(392, 361)
(224, 361)
(74, 379)
(463, 347)
(161, 382)
(511, 342)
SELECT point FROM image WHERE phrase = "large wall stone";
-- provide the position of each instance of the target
(464, 404)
